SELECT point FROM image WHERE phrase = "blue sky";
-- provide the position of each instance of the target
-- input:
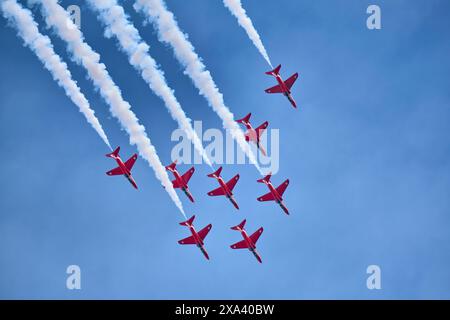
(367, 154)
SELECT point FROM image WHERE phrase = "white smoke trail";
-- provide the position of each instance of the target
(235, 7)
(57, 18)
(22, 19)
(116, 21)
(169, 32)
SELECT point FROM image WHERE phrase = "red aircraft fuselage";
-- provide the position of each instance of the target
(228, 192)
(286, 90)
(251, 245)
(254, 135)
(126, 172)
(225, 188)
(277, 197)
(122, 167)
(248, 242)
(180, 181)
(195, 237)
(199, 242)
(284, 86)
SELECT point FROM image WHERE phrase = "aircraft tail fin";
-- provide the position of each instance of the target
(275, 71)
(245, 120)
(265, 179)
(188, 222)
(240, 226)
(172, 166)
(216, 173)
(113, 154)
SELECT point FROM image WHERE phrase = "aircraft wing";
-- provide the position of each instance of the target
(240, 245)
(204, 232)
(115, 172)
(261, 128)
(130, 162)
(188, 240)
(232, 182)
(289, 82)
(255, 236)
(216, 192)
(267, 197)
(275, 89)
(188, 174)
(282, 187)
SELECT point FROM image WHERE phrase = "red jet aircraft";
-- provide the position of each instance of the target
(275, 194)
(254, 135)
(248, 242)
(197, 237)
(123, 168)
(283, 87)
(225, 189)
(181, 181)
